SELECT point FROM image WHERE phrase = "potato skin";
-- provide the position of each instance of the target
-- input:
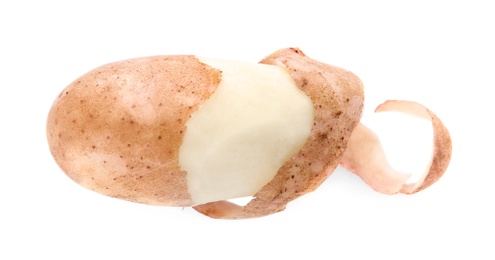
(117, 129)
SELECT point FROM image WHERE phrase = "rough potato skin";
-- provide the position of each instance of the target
(338, 98)
(117, 129)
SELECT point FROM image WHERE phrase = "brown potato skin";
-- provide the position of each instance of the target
(337, 97)
(117, 129)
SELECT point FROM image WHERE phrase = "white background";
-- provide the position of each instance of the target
(439, 53)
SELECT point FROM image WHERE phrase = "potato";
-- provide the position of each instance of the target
(193, 131)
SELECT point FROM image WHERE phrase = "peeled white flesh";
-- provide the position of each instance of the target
(256, 120)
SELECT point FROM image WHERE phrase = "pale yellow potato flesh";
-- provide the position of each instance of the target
(237, 140)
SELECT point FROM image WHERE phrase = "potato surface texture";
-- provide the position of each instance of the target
(189, 131)
(117, 129)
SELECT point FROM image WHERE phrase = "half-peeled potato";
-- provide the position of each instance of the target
(193, 131)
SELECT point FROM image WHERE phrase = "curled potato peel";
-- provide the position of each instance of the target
(118, 130)
(364, 155)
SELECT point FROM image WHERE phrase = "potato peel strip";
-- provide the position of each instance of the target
(365, 157)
